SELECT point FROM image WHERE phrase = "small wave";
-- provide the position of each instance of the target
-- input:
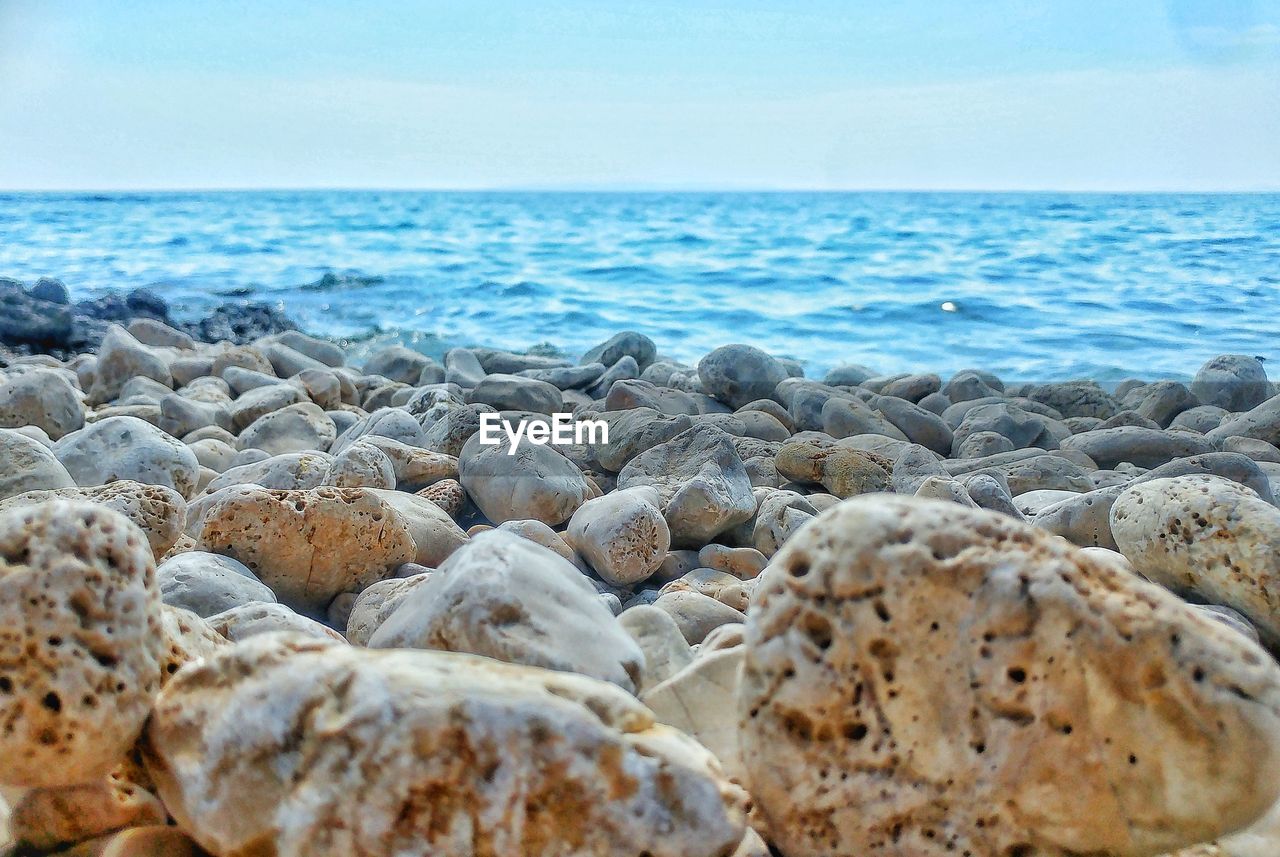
(331, 282)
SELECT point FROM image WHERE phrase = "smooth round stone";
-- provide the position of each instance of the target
(128, 448)
(208, 583)
(1236, 382)
(28, 465)
(622, 535)
(537, 482)
(737, 374)
(301, 427)
(40, 397)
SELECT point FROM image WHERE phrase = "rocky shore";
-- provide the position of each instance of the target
(259, 601)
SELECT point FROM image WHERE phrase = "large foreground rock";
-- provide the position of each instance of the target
(307, 749)
(80, 642)
(1207, 537)
(927, 679)
(159, 512)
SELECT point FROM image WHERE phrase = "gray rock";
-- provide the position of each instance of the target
(737, 374)
(1162, 401)
(40, 397)
(209, 583)
(920, 426)
(701, 479)
(1084, 519)
(567, 377)
(128, 448)
(462, 368)
(1076, 399)
(846, 417)
(508, 598)
(1144, 447)
(913, 388)
(1202, 418)
(625, 369)
(121, 358)
(1236, 382)
(181, 415)
(296, 428)
(628, 343)
(290, 471)
(1023, 428)
(397, 363)
(537, 482)
(395, 423)
(1261, 422)
(514, 393)
(848, 375)
(1229, 465)
(978, 444)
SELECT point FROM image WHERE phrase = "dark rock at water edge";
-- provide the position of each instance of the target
(42, 320)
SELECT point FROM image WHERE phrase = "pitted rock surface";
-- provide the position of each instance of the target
(924, 679)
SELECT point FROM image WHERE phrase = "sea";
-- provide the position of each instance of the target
(1032, 286)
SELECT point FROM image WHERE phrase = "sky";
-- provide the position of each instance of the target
(597, 94)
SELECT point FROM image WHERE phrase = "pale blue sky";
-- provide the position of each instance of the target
(945, 94)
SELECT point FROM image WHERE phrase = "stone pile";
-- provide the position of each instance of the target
(259, 601)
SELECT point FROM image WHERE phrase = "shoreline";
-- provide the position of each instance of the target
(734, 586)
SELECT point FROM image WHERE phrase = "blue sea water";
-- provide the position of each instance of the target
(1031, 286)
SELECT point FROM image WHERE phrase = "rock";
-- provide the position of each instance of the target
(989, 492)
(737, 374)
(1164, 400)
(843, 471)
(397, 363)
(462, 368)
(149, 331)
(1083, 519)
(742, 563)
(1228, 465)
(448, 494)
(664, 647)
(979, 444)
(317, 349)
(128, 448)
(376, 603)
(722, 586)
(296, 428)
(1076, 399)
(389, 423)
(704, 487)
(700, 702)
(696, 614)
(926, 679)
(1208, 537)
(240, 323)
(306, 545)
(27, 319)
(1040, 472)
(285, 472)
(536, 482)
(1233, 381)
(1022, 428)
(257, 617)
(945, 488)
(52, 818)
(40, 397)
(1144, 447)
(507, 598)
(780, 514)
(361, 465)
(435, 535)
(181, 415)
(628, 343)
(207, 583)
(920, 426)
(120, 358)
(1202, 418)
(28, 465)
(159, 512)
(1262, 423)
(470, 756)
(622, 535)
(259, 402)
(513, 393)
(80, 652)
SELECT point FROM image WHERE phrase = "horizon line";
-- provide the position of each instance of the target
(640, 189)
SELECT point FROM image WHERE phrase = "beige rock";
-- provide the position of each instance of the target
(622, 535)
(842, 470)
(151, 841)
(448, 494)
(780, 514)
(415, 468)
(183, 544)
(285, 472)
(187, 638)
(1205, 536)
(122, 358)
(921, 678)
(306, 749)
(435, 535)
(376, 603)
(250, 620)
(49, 818)
(665, 649)
(308, 546)
(697, 614)
(158, 511)
(28, 465)
(700, 701)
(742, 563)
(720, 585)
(80, 648)
(252, 405)
(361, 465)
(508, 598)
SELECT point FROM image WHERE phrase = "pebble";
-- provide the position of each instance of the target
(738, 374)
(159, 512)
(622, 535)
(41, 397)
(28, 465)
(536, 482)
(209, 583)
(928, 679)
